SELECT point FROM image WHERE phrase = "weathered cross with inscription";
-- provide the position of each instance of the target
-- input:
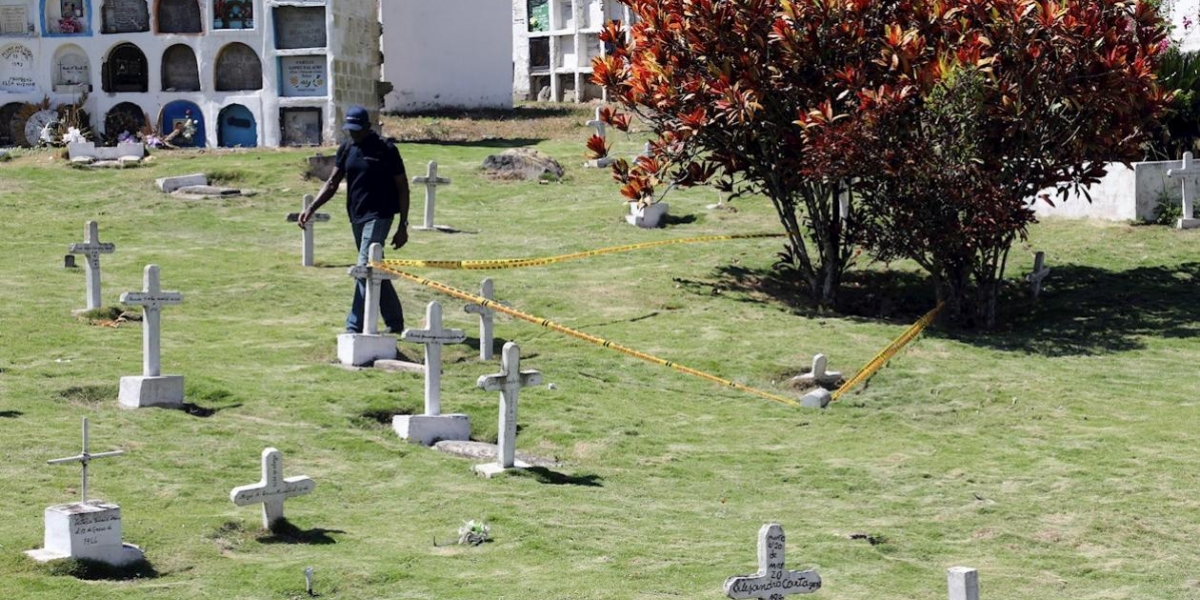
(431, 181)
(272, 489)
(772, 581)
(1189, 173)
(1040, 271)
(433, 338)
(92, 248)
(84, 458)
(306, 257)
(374, 278)
(485, 319)
(151, 299)
(508, 382)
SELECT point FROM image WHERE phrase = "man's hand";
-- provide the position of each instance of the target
(401, 237)
(305, 217)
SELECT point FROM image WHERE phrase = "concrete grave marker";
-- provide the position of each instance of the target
(272, 489)
(359, 349)
(433, 425)
(508, 382)
(152, 388)
(85, 529)
(431, 181)
(963, 583)
(485, 319)
(772, 581)
(1187, 174)
(818, 375)
(602, 131)
(92, 248)
(306, 255)
(1040, 271)
(171, 184)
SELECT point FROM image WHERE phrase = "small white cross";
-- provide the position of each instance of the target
(433, 338)
(1188, 173)
(92, 248)
(486, 316)
(431, 181)
(598, 123)
(151, 299)
(1040, 271)
(374, 279)
(963, 583)
(772, 581)
(508, 382)
(818, 375)
(272, 489)
(84, 458)
(306, 255)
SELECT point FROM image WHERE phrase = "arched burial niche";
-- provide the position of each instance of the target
(124, 16)
(237, 127)
(174, 116)
(66, 17)
(233, 14)
(8, 114)
(179, 70)
(71, 70)
(125, 70)
(16, 69)
(124, 118)
(238, 69)
(179, 16)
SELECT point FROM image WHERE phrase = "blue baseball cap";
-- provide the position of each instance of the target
(357, 119)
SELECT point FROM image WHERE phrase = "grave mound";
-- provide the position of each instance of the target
(522, 163)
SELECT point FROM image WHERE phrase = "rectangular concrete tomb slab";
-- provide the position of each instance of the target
(772, 581)
(360, 349)
(170, 184)
(85, 530)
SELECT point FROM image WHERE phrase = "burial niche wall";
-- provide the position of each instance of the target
(71, 69)
(14, 20)
(8, 116)
(16, 69)
(238, 69)
(67, 17)
(299, 27)
(301, 126)
(124, 16)
(179, 16)
(180, 72)
(124, 118)
(233, 14)
(125, 70)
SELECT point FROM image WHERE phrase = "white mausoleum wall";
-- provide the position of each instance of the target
(1124, 194)
(447, 53)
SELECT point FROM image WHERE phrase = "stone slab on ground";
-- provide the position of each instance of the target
(430, 429)
(122, 150)
(170, 184)
(522, 163)
(357, 349)
(399, 366)
(488, 452)
(207, 191)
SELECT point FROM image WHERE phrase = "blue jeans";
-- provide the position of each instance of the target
(365, 234)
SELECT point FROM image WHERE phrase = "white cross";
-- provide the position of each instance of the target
(306, 257)
(151, 299)
(433, 338)
(772, 581)
(92, 247)
(1189, 172)
(272, 489)
(599, 125)
(963, 583)
(431, 182)
(1040, 271)
(818, 374)
(83, 458)
(485, 320)
(374, 279)
(508, 382)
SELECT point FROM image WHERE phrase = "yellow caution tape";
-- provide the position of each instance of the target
(513, 263)
(493, 305)
(887, 353)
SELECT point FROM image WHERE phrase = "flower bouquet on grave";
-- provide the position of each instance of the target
(474, 532)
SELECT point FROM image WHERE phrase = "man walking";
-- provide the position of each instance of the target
(376, 192)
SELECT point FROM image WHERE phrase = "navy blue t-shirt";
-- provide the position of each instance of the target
(371, 166)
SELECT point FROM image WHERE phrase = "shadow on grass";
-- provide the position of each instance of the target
(94, 570)
(372, 418)
(203, 412)
(497, 345)
(549, 477)
(285, 532)
(670, 220)
(1082, 310)
(10, 414)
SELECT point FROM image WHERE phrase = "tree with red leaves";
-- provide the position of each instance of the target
(938, 117)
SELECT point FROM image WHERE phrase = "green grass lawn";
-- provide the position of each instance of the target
(1056, 455)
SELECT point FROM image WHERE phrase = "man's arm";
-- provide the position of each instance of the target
(401, 236)
(327, 191)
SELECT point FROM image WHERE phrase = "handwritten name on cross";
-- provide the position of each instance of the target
(508, 382)
(92, 248)
(373, 278)
(84, 458)
(486, 317)
(306, 256)
(1040, 271)
(151, 299)
(772, 581)
(433, 337)
(272, 489)
(431, 181)
(1187, 174)
(598, 124)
